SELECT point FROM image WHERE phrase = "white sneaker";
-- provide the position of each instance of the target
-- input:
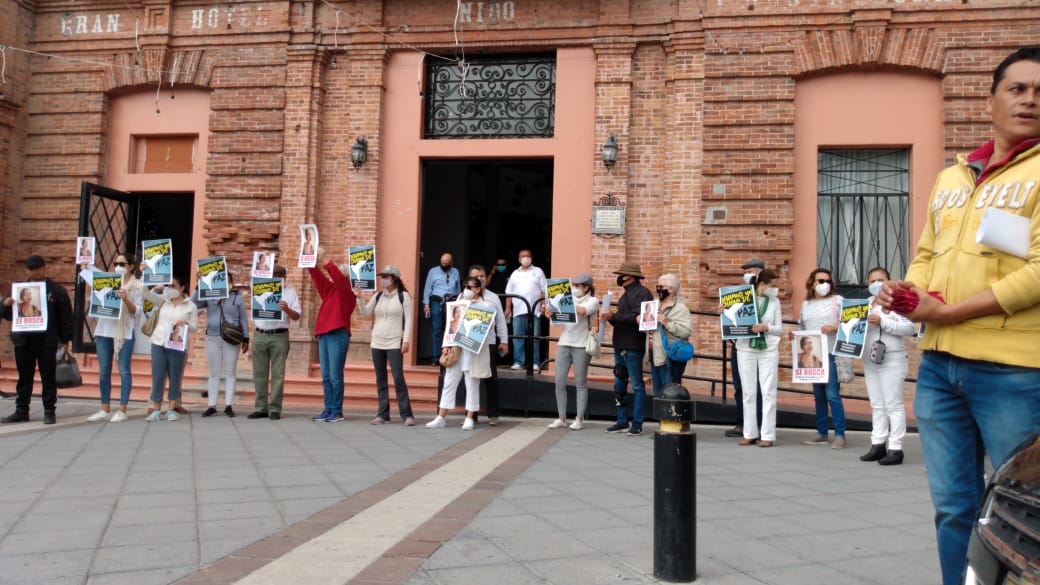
(153, 417)
(557, 423)
(577, 426)
(437, 423)
(172, 415)
(99, 415)
(537, 369)
(119, 416)
(467, 425)
(516, 367)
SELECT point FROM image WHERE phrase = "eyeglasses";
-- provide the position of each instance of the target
(120, 263)
(823, 281)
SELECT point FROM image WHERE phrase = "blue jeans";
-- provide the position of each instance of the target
(964, 407)
(167, 363)
(106, 347)
(829, 394)
(670, 373)
(437, 326)
(332, 354)
(520, 329)
(633, 361)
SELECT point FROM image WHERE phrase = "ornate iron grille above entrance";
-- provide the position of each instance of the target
(498, 96)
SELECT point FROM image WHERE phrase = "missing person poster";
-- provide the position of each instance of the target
(809, 363)
(266, 293)
(158, 261)
(648, 315)
(362, 267)
(213, 280)
(560, 300)
(104, 295)
(454, 312)
(852, 330)
(739, 311)
(263, 265)
(85, 247)
(29, 311)
(308, 245)
(177, 337)
(476, 323)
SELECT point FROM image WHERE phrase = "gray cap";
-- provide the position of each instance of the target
(754, 263)
(584, 278)
(390, 270)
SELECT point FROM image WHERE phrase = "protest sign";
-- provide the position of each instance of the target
(104, 298)
(739, 312)
(454, 313)
(560, 300)
(809, 363)
(852, 330)
(263, 264)
(85, 247)
(213, 280)
(362, 261)
(158, 261)
(29, 312)
(476, 323)
(648, 315)
(266, 293)
(177, 337)
(308, 245)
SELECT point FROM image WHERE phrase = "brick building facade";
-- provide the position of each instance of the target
(703, 97)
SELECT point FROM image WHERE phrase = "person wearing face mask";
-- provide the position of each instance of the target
(441, 281)
(751, 269)
(471, 368)
(822, 311)
(391, 337)
(570, 349)
(40, 347)
(500, 336)
(499, 277)
(221, 356)
(528, 282)
(629, 348)
(675, 322)
(175, 309)
(885, 380)
(758, 359)
(114, 338)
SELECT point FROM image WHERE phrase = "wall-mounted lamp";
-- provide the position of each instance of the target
(610, 152)
(359, 153)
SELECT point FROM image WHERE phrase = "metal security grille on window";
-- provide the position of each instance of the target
(862, 206)
(503, 97)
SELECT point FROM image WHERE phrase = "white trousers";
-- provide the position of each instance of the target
(452, 377)
(761, 366)
(885, 389)
(222, 358)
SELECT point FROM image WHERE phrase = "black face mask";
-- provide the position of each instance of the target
(663, 292)
(446, 267)
(621, 280)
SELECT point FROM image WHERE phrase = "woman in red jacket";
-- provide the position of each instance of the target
(332, 328)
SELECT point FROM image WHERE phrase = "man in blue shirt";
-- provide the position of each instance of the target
(440, 281)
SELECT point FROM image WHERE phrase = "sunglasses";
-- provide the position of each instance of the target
(120, 263)
(823, 281)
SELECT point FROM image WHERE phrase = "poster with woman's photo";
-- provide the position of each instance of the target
(852, 330)
(177, 337)
(104, 295)
(739, 312)
(560, 300)
(454, 313)
(809, 358)
(648, 315)
(85, 246)
(157, 256)
(266, 294)
(213, 280)
(30, 309)
(476, 323)
(263, 265)
(362, 267)
(308, 245)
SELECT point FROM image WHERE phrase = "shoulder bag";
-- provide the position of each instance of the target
(66, 374)
(148, 327)
(449, 358)
(592, 342)
(232, 334)
(679, 350)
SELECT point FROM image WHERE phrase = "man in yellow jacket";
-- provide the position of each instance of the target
(978, 383)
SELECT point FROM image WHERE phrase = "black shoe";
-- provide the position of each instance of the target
(16, 417)
(736, 431)
(209, 412)
(205, 393)
(49, 418)
(254, 415)
(635, 430)
(876, 452)
(229, 412)
(893, 457)
(276, 416)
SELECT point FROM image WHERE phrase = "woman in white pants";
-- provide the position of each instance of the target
(222, 356)
(570, 349)
(885, 342)
(758, 359)
(471, 368)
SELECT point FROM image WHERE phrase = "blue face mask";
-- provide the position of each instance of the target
(500, 268)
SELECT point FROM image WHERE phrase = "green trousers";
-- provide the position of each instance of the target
(269, 354)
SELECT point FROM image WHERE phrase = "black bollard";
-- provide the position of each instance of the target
(675, 493)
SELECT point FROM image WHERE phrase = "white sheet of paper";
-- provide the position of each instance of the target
(1004, 231)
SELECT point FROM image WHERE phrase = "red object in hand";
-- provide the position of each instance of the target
(905, 301)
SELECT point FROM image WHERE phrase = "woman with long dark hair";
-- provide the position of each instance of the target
(822, 311)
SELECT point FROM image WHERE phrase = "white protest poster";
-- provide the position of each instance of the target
(454, 312)
(648, 315)
(263, 265)
(809, 363)
(85, 247)
(177, 337)
(29, 312)
(308, 245)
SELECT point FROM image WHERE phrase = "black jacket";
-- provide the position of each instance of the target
(59, 317)
(626, 320)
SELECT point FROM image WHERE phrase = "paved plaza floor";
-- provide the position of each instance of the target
(220, 500)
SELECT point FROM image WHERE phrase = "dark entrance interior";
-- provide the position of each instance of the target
(480, 210)
(169, 215)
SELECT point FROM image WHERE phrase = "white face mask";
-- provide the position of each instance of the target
(579, 292)
(171, 293)
(875, 288)
(748, 277)
(823, 289)
(772, 291)
(120, 270)
(525, 261)
(386, 282)
(467, 295)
